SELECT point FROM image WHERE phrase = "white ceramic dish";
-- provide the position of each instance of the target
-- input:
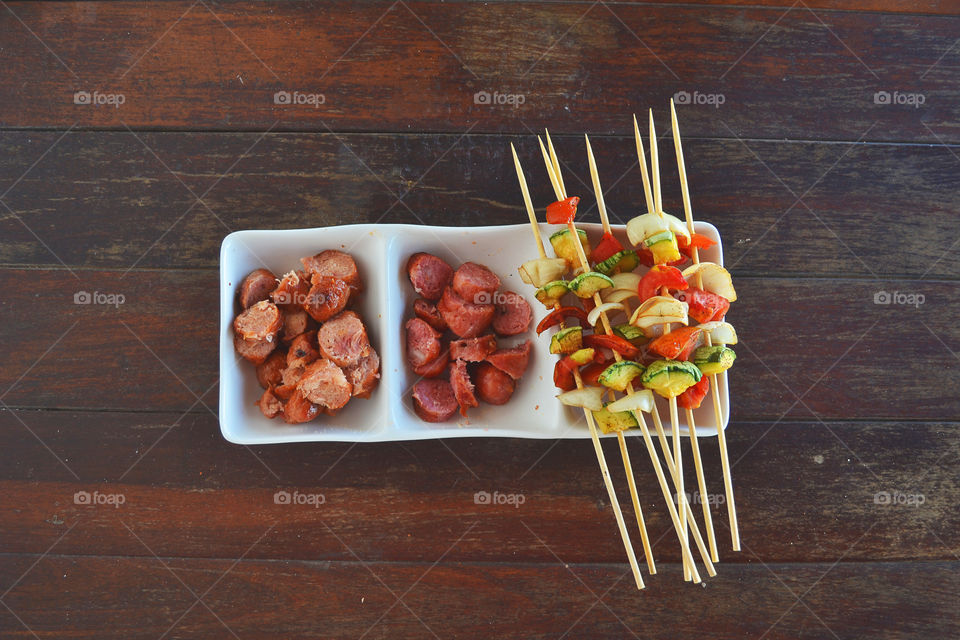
(381, 252)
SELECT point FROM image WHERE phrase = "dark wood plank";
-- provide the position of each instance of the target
(805, 492)
(129, 598)
(159, 349)
(580, 67)
(104, 200)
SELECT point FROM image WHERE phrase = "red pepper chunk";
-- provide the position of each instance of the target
(563, 372)
(678, 344)
(557, 316)
(563, 211)
(606, 248)
(693, 396)
(703, 305)
(658, 277)
(591, 373)
(697, 241)
(563, 376)
(614, 343)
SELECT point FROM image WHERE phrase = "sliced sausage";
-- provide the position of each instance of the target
(262, 321)
(434, 368)
(429, 275)
(303, 349)
(463, 388)
(427, 311)
(511, 361)
(475, 283)
(493, 385)
(335, 264)
(299, 409)
(295, 322)
(364, 374)
(465, 319)
(433, 400)
(285, 391)
(270, 373)
(327, 297)
(343, 339)
(423, 342)
(473, 349)
(513, 314)
(292, 290)
(257, 287)
(256, 351)
(269, 404)
(323, 383)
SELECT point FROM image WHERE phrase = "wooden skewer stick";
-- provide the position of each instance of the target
(721, 433)
(557, 181)
(642, 159)
(674, 418)
(685, 548)
(601, 460)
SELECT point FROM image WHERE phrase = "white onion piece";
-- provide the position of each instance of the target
(619, 295)
(659, 310)
(589, 398)
(720, 332)
(642, 227)
(715, 279)
(628, 281)
(638, 401)
(606, 307)
(540, 271)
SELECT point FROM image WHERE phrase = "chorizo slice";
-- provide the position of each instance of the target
(473, 349)
(463, 389)
(434, 368)
(465, 319)
(303, 349)
(512, 361)
(326, 298)
(429, 275)
(364, 375)
(269, 404)
(334, 264)
(256, 287)
(423, 342)
(299, 409)
(270, 373)
(291, 292)
(323, 383)
(256, 351)
(513, 314)
(427, 311)
(295, 322)
(475, 283)
(433, 400)
(343, 339)
(493, 385)
(262, 321)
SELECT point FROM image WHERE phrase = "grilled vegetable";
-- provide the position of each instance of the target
(558, 315)
(659, 310)
(612, 421)
(618, 375)
(715, 359)
(614, 343)
(566, 340)
(562, 211)
(587, 284)
(630, 333)
(588, 398)
(693, 396)
(660, 276)
(715, 279)
(625, 260)
(670, 378)
(720, 332)
(563, 246)
(641, 400)
(540, 271)
(606, 248)
(606, 307)
(678, 344)
(550, 293)
(649, 224)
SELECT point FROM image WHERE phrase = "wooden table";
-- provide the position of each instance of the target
(823, 142)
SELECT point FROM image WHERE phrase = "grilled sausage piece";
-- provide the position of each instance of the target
(292, 290)
(327, 297)
(256, 351)
(473, 349)
(493, 385)
(334, 264)
(513, 314)
(429, 275)
(465, 319)
(511, 361)
(343, 339)
(303, 349)
(270, 373)
(262, 321)
(433, 400)
(475, 283)
(434, 368)
(295, 322)
(423, 342)
(364, 374)
(463, 389)
(269, 404)
(299, 409)
(427, 311)
(257, 287)
(323, 383)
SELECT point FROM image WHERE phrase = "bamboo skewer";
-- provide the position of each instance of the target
(687, 555)
(601, 460)
(557, 181)
(721, 434)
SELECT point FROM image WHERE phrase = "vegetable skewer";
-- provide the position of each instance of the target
(601, 460)
(721, 435)
(551, 165)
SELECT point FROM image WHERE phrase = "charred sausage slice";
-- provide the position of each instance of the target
(324, 383)
(433, 400)
(295, 322)
(429, 275)
(511, 361)
(299, 409)
(364, 374)
(343, 339)
(292, 290)
(326, 298)
(269, 404)
(513, 314)
(463, 388)
(334, 264)
(434, 368)
(257, 287)
(473, 349)
(423, 342)
(465, 319)
(427, 311)
(270, 373)
(262, 321)
(493, 385)
(303, 349)
(475, 283)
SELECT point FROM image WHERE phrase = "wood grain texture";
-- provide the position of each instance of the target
(188, 493)
(784, 72)
(107, 200)
(144, 598)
